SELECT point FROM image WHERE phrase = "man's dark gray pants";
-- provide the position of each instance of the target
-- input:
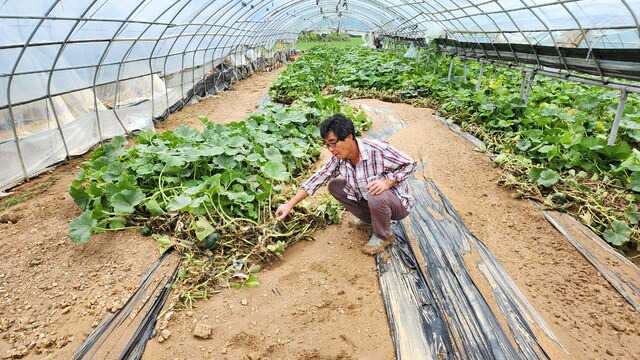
(379, 210)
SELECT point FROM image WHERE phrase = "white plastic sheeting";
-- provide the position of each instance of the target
(76, 72)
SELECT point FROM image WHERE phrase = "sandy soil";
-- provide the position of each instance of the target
(588, 316)
(322, 301)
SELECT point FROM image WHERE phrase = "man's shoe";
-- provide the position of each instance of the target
(359, 223)
(376, 244)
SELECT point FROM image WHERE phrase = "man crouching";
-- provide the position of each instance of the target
(373, 186)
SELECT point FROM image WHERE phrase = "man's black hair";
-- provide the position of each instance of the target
(341, 125)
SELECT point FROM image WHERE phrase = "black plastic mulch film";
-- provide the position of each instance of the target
(436, 311)
(124, 334)
(621, 273)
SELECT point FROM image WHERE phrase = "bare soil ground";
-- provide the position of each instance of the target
(589, 317)
(322, 300)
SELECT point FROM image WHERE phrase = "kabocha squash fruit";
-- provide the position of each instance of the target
(146, 231)
(211, 241)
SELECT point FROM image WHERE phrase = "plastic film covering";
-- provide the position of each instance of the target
(621, 273)
(418, 323)
(76, 73)
(436, 310)
(124, 334)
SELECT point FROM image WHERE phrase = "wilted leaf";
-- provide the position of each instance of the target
(252, 281)
(164, 241)
(203, 228)
(278, 247)
(631, 212)
(618, 234)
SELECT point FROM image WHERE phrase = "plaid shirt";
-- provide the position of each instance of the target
(378, 160)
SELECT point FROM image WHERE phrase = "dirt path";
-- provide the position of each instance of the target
(588, 316)
(322, 301)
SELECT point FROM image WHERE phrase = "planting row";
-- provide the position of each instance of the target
(553, 147)
(210, 194)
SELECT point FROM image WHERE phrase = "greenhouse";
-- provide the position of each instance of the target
(481, 161)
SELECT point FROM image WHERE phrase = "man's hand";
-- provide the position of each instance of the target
(283, 211)
(377, 187)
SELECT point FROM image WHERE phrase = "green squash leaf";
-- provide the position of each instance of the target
(618, 234)
(619, 151)
(80, 228)
(153, 207)
(80, 197)
(117, 222)
(276, 171)
(273, 154)
(126, 200)
(179, 203)
(548, 177)
(634, 181)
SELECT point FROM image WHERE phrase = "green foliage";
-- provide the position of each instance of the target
(210, 194)
(305, 46)
(331, 37)
(80, 228)
(560, 132)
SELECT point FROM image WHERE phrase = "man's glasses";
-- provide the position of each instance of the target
(331, 144)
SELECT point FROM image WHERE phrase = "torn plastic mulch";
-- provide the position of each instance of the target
(417, 322)
(439, 312)
(621, 273)
(476, 330)
(124, 334)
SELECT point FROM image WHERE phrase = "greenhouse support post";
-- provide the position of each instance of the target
(529, 87)
(480, 76)
(616, 120)
(464, 70)
(450, 68)
(523, 83)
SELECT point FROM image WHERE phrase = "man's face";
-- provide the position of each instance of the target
(339, 148)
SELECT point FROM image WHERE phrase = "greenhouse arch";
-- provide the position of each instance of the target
(78, 74)
(481, 163)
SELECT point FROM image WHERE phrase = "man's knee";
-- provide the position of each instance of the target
(336, 187)
(379, 201)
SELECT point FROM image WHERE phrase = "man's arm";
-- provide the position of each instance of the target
(285, 209)
(321, 177)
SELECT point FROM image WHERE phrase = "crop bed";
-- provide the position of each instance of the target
(552, 148)
(211, 194)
